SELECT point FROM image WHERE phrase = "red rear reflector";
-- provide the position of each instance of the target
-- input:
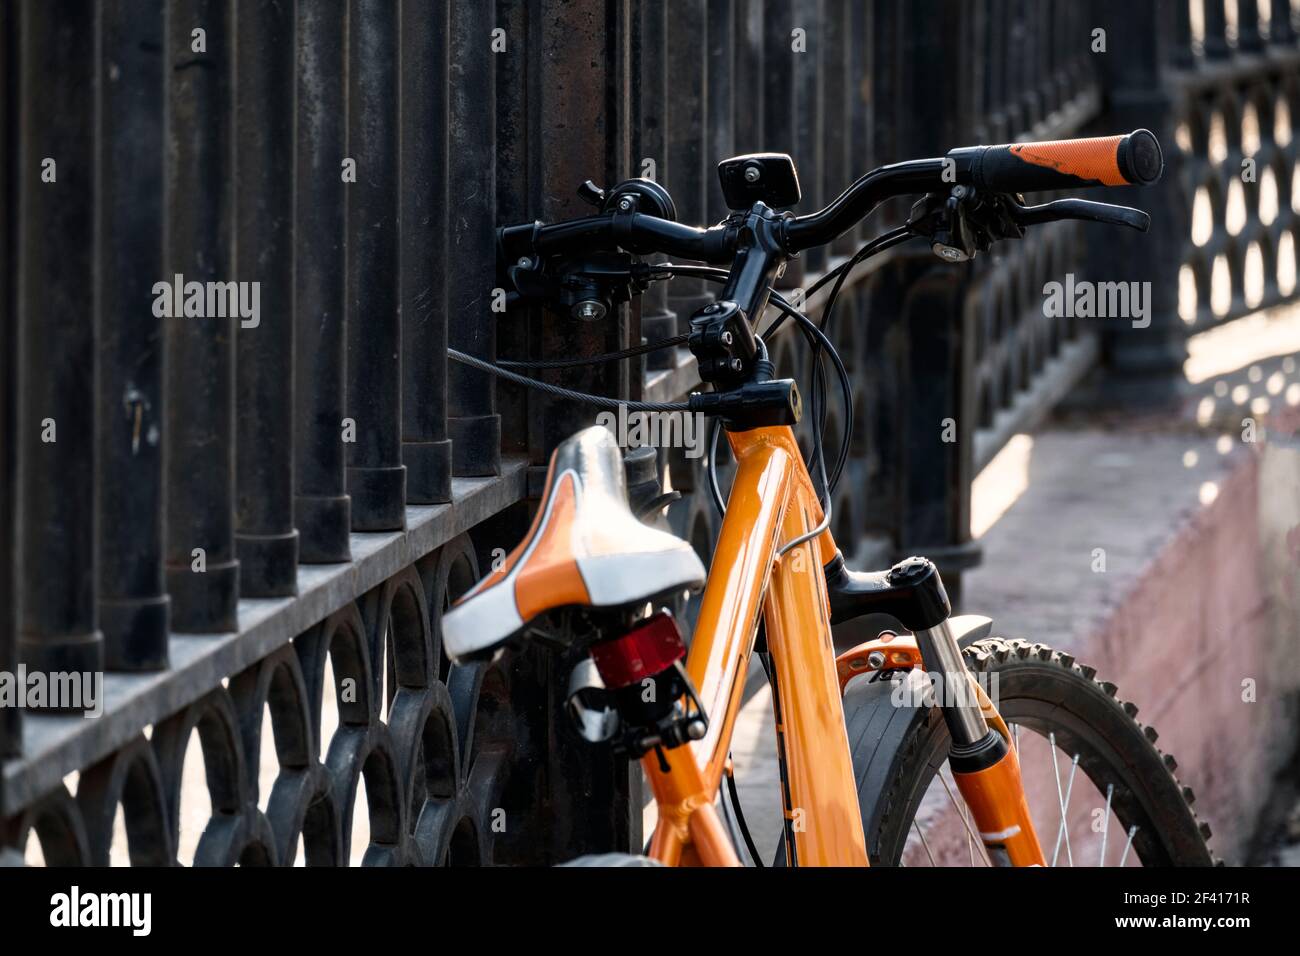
(650, 648)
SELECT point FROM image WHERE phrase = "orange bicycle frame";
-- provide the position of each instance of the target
(773, 501)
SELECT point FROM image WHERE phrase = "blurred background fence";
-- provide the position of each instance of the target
(253, 529)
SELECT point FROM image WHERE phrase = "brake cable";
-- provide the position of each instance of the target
(817, 410)
(600, 401)
(619, 356)
(740, 819)
(879, 244)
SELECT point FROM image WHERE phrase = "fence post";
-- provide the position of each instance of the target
(779, 132)
(1140, 41)
(56, 334)
(473, 424)
(808, 128)
(376, 476)
(1249, 37)
(578, 122)
(749, 133)
(321, 507)
(426, 450)
(688, 119)
(133, 603)
(839, 111)
(10, 718)
(862, 95)
(1281, 29)
(881, 350)
(1216, 28)
(202, 572)
(514, 204)
(265, 540)
(938, 421)
(650, 127)
(724, 100)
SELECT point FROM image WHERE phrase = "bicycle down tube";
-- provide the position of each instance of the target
(772, 501)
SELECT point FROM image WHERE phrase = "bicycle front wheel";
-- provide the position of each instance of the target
(1099, 791)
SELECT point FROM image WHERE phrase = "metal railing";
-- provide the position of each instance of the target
(1235, 87)
(220, 512)
(1221, 78)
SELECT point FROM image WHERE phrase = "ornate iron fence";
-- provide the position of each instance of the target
(1235, 92)
(251, 525)
(1221, 79)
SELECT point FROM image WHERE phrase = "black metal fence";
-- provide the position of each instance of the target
(257, 520)
(1235, 91)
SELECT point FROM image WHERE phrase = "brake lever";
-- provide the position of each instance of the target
(1082, 209)
(965, 221)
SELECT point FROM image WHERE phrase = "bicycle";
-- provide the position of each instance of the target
(857, 763)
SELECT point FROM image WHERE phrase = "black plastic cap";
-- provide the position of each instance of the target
(1140, 160)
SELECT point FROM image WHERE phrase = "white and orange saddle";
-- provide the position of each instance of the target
(585, 548)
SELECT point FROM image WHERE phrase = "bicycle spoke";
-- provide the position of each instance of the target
(924, 842)
(1069, 791)
(955, 805)
(1064, 801)
(971, 836)
(1124, 856)
(1105, 826)
(970, 840)
(1060, 800)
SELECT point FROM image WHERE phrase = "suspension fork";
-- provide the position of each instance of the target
(984, 763)
(983, 758)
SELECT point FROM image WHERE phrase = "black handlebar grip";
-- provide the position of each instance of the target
(1132, 160)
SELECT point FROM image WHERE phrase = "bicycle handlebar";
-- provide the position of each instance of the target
(856, 202)
(1134, 159)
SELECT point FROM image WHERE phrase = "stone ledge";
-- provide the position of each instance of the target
(53, 746)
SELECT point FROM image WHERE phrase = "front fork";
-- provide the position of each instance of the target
(983, 761)
(982, 757)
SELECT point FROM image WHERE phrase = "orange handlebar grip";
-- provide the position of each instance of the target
(1134, 159)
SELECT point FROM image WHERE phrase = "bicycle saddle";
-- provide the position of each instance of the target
(585, 548)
